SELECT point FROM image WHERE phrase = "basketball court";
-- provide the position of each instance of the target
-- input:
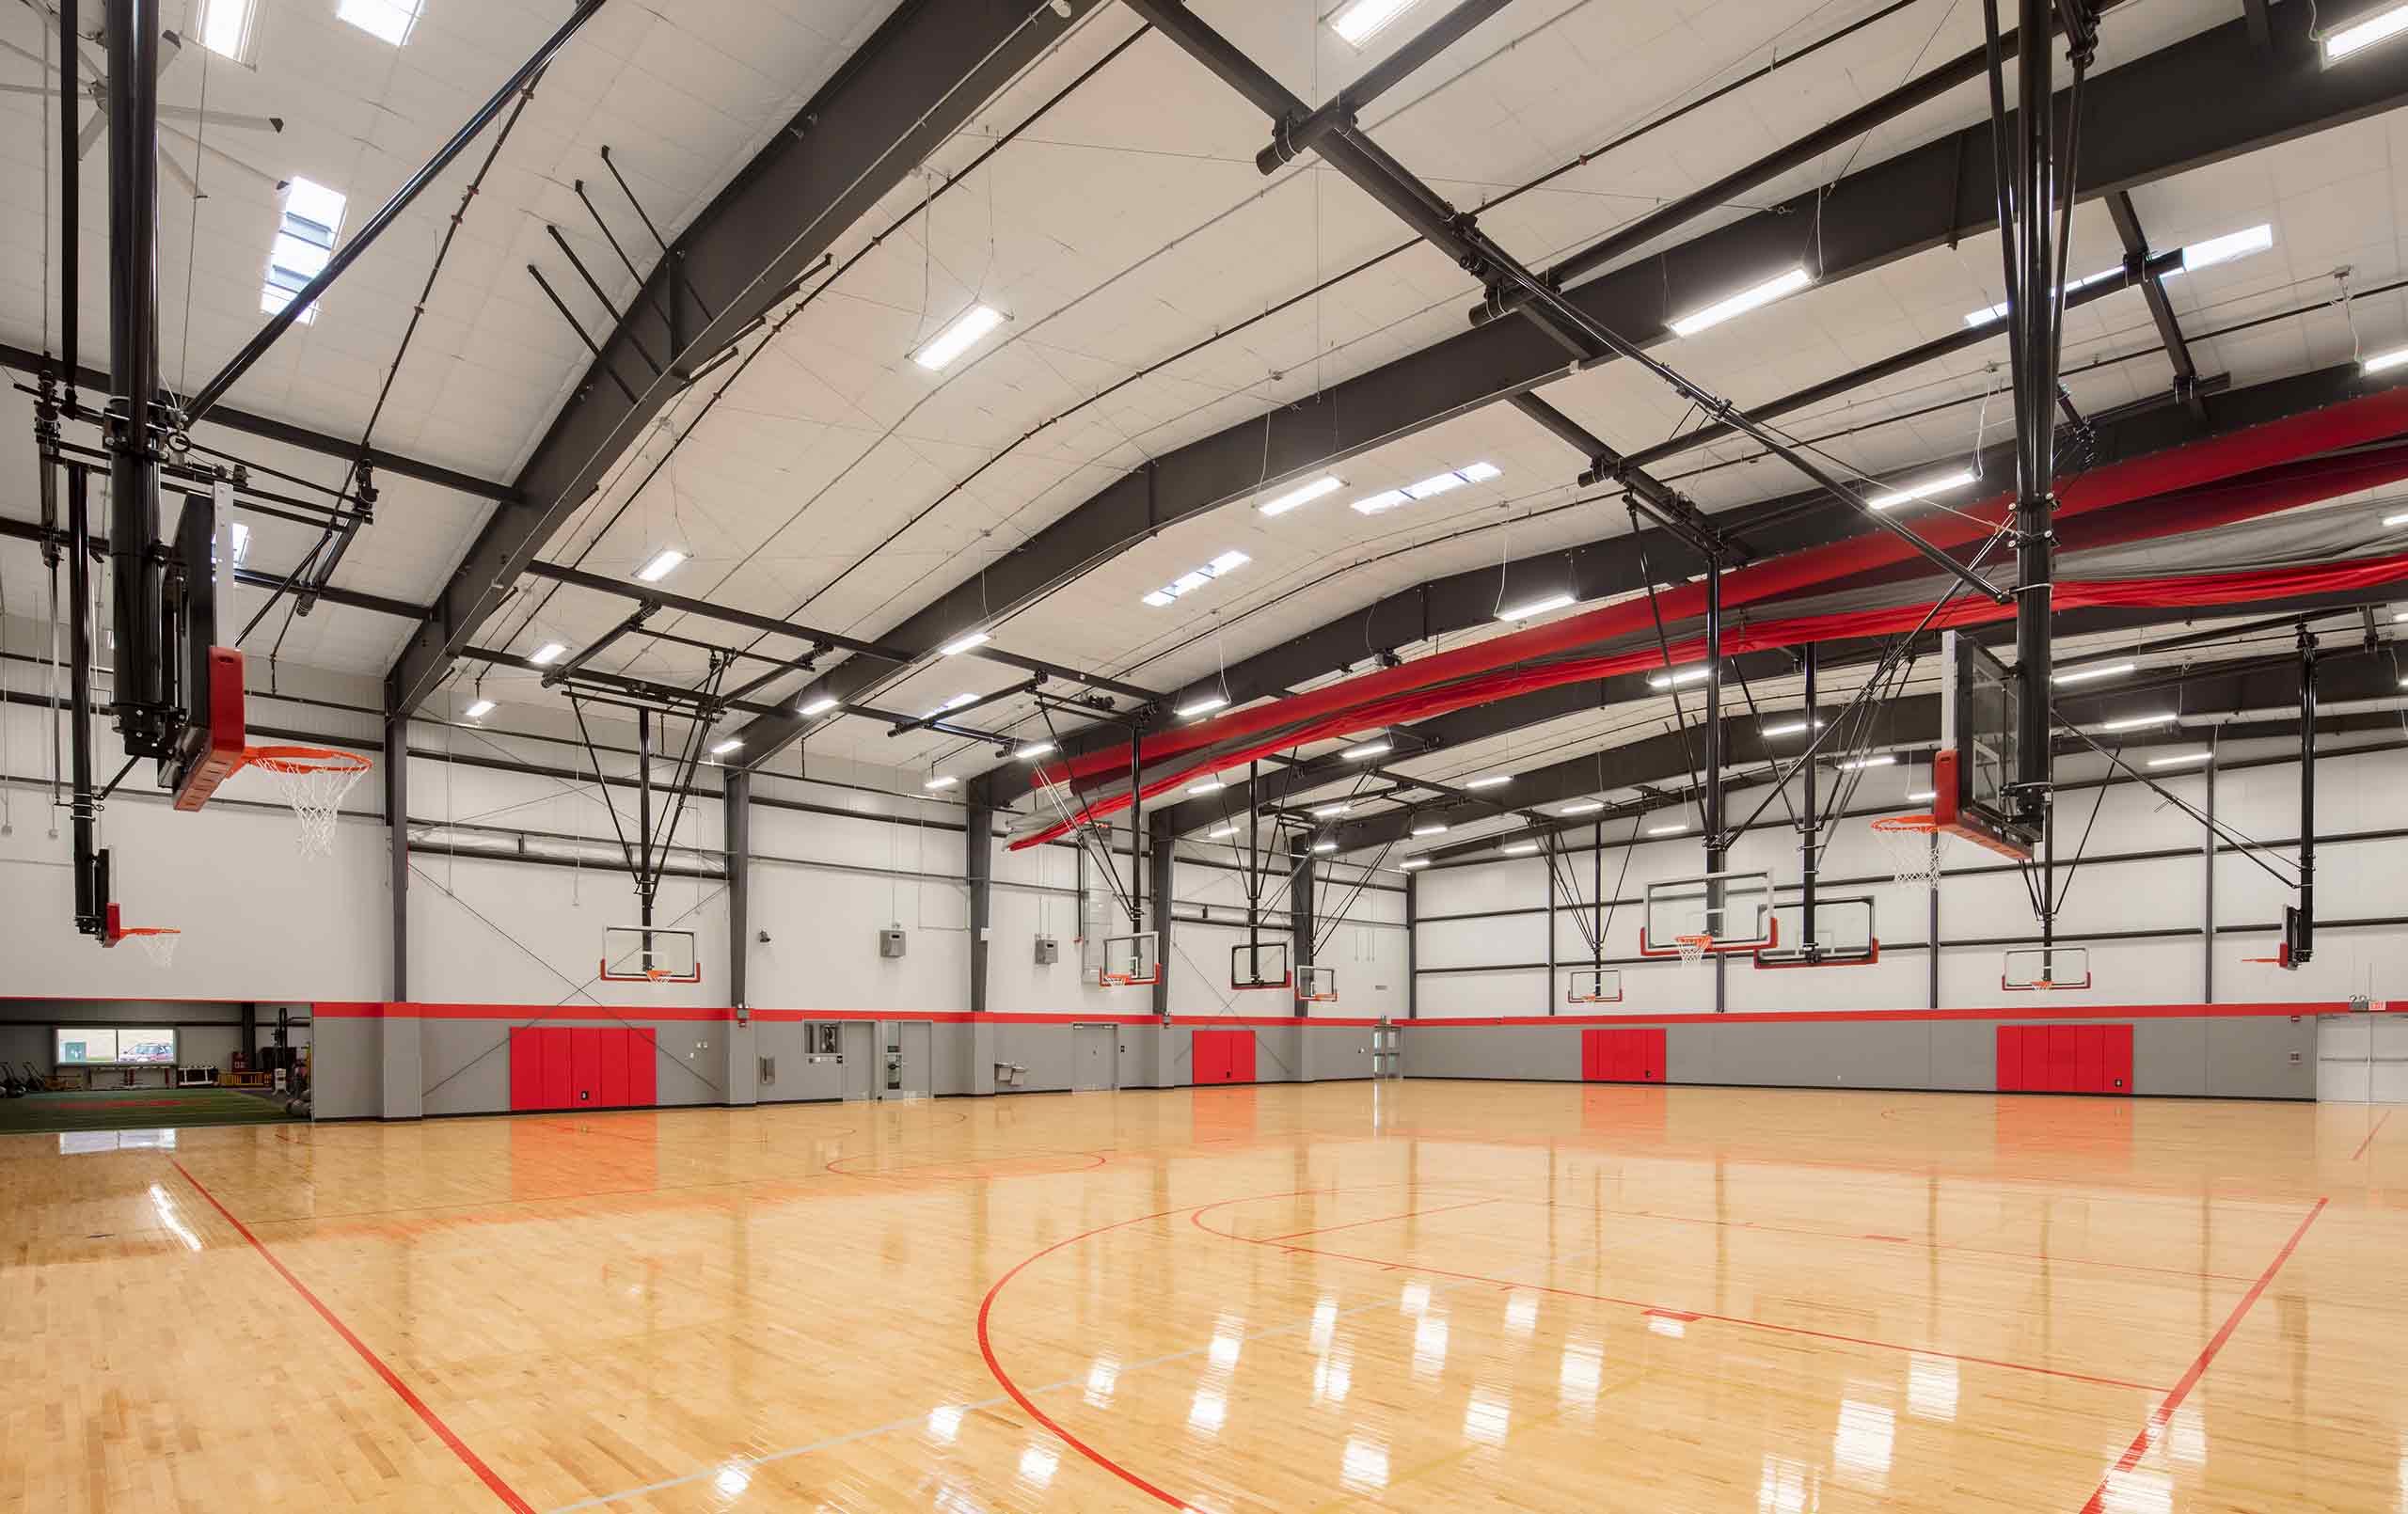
(1109, 754)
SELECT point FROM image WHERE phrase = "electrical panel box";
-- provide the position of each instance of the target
(1049, 951)
(889, 942)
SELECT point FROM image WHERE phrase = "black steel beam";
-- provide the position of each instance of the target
(925, 71)
(1293, 136)
(25, 531)
(2141, 123)
(2161, 309)
(288, 433)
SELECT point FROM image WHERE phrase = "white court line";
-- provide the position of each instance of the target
(832, 1441)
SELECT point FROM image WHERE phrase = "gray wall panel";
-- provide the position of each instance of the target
(2170, 1057)
(1336, 1052)
(465, 1064)
(1530, 1052)
(2262, 1057)
(1043, 1049)
(347, 1069)
(1689, 1054)
(1964, 1055)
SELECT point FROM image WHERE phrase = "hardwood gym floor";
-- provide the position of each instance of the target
(1428, 1296)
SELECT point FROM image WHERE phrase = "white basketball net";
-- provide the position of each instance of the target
(1693, 947)
(316, 795)
(1914, 855)
(158, 946)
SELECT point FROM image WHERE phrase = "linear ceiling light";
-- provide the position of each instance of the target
(818, 706)
(723, 748)
(225, 28)
(2386, 362)
(1998, 312)
(1787, 727)
(1535, 607)
(2397, 520)
(1741, 303)
(663, 563)
(1365, 752)
(1492, 780)
(2182, 760)
(306, 229)
(241, 535)
(1203, 706)
(1033, 751)
(1433, 829)
(1921, 491)
(1210, 785)
(1362, 21)
(1304, 494)
(2087, 675)
(1222, 833)
(1435, 484)
(2137, 722)
(959, 645)
(2382, 27)
(1521, 848)
(1324, 846)
(387, 21)
(958, 338)
(943, 781)
(1329, 811)
(2224, 249)
(1676, 828)
(1187, 583)
(479, 709)
(954, 704)
(1412, 863)
(1678, 676)
(546, 655)
(1583, 807)
(1921, 796)
(1880, 759)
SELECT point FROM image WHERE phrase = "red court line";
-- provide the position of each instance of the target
(418, 1406)
(2155, 1424)
(1195, 1217)
(2370, 1134)
(1379, 1220)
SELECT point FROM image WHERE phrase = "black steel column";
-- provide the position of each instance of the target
(1412, 944)
(1931, 928)
(2035, 298)
(1808, 828)
(1546, 854)
(71, 191)
(133, 33)
(1301, 923)
(2208, 886)
(643, 825)
(91, 893)
(1717, 903)
(735, 825)
(397, 830)
(978, 872)
(1161, 882)
(2305, 947)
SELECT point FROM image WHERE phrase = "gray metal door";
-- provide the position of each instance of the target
(904, 1064)
(1095, 1057)
(859, 1040)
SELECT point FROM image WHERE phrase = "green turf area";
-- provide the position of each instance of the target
(137, 1108)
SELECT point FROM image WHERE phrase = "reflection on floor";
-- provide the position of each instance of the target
(131, 1108)
(1422, 1296)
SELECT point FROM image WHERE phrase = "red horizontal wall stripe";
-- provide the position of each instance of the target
(2053, 1013)
(623, 1014)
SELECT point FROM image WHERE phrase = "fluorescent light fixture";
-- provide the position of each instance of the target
(663, 563)
(1434, 828)
(546, 655)
(2184, 760)
(818, 706)
(1921, 491)
(1998, 311)
(1187, 583)
(479, 709)
(1366, 751)
(1676, 828)
(1521, 848)
(943, 781)
(954, 704)
(1741, 303)
(241, 535)
(1385, 499)
(1203, 706)
(1583, 807)
(1324, 846)
(1210, 785)
(1329, 812)
(1492, 780)
(958, 338)
(1787, 727)
(1678, 676)
(225, 28)
(1879, 759)
(1221, 834)
(2382, 27)
(2225, 248)
(1304, 494)
(2089, 675)
(387, 21)
(1412, 863)
(723, 748)
(959, 645)
(1480, 472)
(306, 227)
(1033, 751)
(1535, 607)
(2137, 722)
(2397, 520)
(1435, 484)
(1362, 21)
(2385, 362)
(1921, 796)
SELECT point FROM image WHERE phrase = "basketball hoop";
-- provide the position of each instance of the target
(158, 943)
(312, 780)
(1693, 948)
(1912, 842)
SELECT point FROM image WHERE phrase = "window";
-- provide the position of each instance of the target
(95, 1045)
(305, 238)
(227, 29)
(387, 20)
(820, 1039)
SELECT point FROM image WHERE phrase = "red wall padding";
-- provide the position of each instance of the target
(2065, 1059)
(1221, 1057)
(604, 1068)
(1620, 1056)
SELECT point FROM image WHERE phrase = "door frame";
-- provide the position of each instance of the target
(1112, 1061)
(928, 1072)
